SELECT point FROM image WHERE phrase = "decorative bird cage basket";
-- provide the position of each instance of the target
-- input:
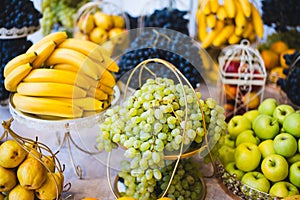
(242, 78)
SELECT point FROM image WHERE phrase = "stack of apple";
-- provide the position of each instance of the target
(27, 174)
(262, 148)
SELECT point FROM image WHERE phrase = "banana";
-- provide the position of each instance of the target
(248, 30)
(221, 13)
(85, 103)
(246, 8)
(92, 50)
(211, 35)
(234, 39)
(258, 24)
(57, 76)
(19, 60)
(240, 19)
(57, 37)
(211, 20)
(214, 5)
(230, 8)
(16, 76)
(106, 89)
(75, 58)
(66, 67)
(205, 6)
(223, 35)
(239, 30)
(97, 94)
(48, 89)
(202, 26)
(45, 106)
(43, 52)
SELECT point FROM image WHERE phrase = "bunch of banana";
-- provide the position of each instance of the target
(228, 23)
(60, 77)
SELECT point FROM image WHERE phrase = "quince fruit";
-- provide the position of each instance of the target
(11, 154)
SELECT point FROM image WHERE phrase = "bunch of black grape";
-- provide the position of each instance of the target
(168, 18)
(9, 49)
(290, 85)
(172, 46)
(18, 14)
(281, 14)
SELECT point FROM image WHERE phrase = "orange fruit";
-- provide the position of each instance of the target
(251, 99)
(230, 91)
(98, 35)
(279, 47)
(282, 60)
(270, 58)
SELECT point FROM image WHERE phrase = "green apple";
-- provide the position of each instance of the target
(291, 124)
(268, 106)
(238, 124)
(283, 189)
(226, 154)
(256, 180)
(233, 170)
(294, 158)
(229, 141)
(275, 167)
(266, 148)
(247, 136)
(294, 175)
(247, 156)
(285, 144)
(251, 115)
(281, 111)
(265, 127)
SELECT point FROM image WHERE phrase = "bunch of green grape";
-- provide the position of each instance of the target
(59, 13)
(159, 119)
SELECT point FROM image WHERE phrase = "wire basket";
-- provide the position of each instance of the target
(199, 144)
(242, 78)
(43, 154)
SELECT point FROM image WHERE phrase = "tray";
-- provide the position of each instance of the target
(14, 33)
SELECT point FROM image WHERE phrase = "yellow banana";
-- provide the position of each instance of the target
(19, 60)
(48, 89)
(16, 76)
(230, 8)
(234, 39)
(202, 26)
(92, 50)
(206, 8)
(239, 30)
(66, 67)
(211, 20)
(43, 52)
(57, 76)
(106, 89)
(258, 24)
(57, 37)
(214, 5)
(248, 30)
(75, 58)
(223, 35)
(85, 103)
(240, 19)
(221, 13)
(211, 35)
(45, 106)
(97, 93)
(246, 8)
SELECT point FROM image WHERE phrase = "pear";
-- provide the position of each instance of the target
(31, 173)
(52, 186)
(20, 193)
(8, 179)
(34, 150)
(11, 154)
(49, 163)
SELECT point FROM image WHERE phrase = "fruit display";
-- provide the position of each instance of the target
(220, 24)
(172, 46)
(242, 79)
(290, 83)
(100, 22)
(261, 150)
(28, 169)
(59, 15)
(60, 78)
(159, 121)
